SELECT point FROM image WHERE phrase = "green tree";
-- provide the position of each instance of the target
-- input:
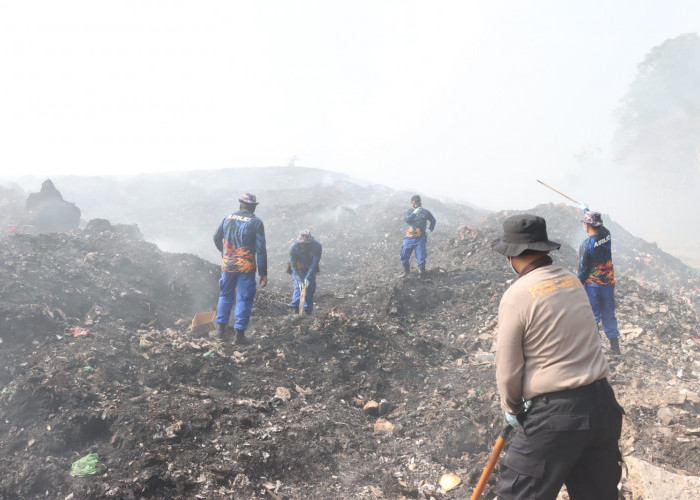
(659, 117)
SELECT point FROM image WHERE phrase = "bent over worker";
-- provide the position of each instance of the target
(304, 259)
(419, 224)
(595, 270)
(241, 240)
(551, 377)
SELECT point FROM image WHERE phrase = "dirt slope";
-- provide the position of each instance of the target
(172, 415)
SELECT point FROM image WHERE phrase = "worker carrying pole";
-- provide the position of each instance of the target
(596, 271)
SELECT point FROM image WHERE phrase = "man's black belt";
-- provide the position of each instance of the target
(567, 393)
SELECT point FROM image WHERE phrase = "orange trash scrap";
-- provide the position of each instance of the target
(79, 332)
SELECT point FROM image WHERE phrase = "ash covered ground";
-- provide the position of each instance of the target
(386, 387)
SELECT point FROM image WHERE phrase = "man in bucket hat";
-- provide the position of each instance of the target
(241, 240)
(304, 260)
(595, 270)
(551, 377)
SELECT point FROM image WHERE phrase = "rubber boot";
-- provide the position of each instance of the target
(615, 346)
(240, 337)
(219, 332)
(421, 271)
(406, 270)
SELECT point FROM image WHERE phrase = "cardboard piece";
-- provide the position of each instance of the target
(203, 323)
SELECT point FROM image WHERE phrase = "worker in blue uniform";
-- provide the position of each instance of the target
(419, 224)
(241, 240)
(595, 271)
(304, 260)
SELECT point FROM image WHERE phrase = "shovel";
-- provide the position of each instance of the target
(302, 299)
(493, 459)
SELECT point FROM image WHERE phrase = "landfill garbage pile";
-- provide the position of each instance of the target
(386, 391)
(12, 206)
(103, 274)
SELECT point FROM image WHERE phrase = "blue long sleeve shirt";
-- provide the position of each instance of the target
(417, 223)
(304, 259)
(595, 259)
(241, 240)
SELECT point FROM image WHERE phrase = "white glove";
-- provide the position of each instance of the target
(512, 420)
(583, 207)
(418, 210)
(428, 231)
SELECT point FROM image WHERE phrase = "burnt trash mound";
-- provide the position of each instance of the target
(105, 273)
(387, 386)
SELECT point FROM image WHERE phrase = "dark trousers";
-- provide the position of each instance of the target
(567, 437)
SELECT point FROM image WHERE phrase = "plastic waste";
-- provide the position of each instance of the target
(86, 466)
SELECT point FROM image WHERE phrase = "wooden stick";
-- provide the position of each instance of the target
(302, 299)
(558, 192)
(493, 459)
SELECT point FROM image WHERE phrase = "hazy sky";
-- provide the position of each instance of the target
(468, 99)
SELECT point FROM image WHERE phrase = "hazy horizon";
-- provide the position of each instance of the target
(471, 101)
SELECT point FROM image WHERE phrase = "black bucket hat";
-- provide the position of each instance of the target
(524, 232)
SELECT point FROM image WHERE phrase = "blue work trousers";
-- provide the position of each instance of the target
(236, 289)
(602, 299)
(409, 244)
(310, 291)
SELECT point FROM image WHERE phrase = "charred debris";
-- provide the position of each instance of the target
(385, 388)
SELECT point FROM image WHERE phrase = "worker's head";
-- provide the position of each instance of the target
(524, 240)
(522, 233)
(415, 201)
(248, 202)
(592, 222)
(304, 237)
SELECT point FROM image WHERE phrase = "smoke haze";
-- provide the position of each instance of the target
(469, 101)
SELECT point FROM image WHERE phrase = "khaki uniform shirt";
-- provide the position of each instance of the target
(548, 339)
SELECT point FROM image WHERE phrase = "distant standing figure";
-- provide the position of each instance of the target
(304, 259)
(240, 238)
(595, 270)
(417, 230)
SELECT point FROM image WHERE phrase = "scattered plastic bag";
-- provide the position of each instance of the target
(86, 466)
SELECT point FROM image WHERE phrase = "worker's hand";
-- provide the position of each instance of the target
(512, 420)
(583, 207)
(306, 282)
(428, 231)
(418, 210)
(263, 281)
